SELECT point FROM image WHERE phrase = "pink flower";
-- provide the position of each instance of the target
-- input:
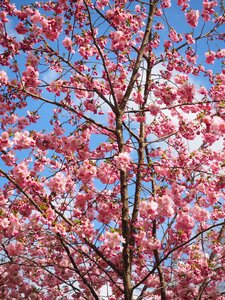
(111, 210)
(21, 174)
(208, 9)
(181, 79)
(106, 173)
(21, 29)
(184, 222)
(119, 40)
(87, 171)
(4, 140)
(220, 53)
(138, 98)
(81, 200)
(209, 5)
(56, 87)
(32, 60)
(52, 27)
(23, 140)
(174, 36)
(203, 91)
(122, 160)
(183, 3)
(153, 244)
(57, 183)
(14, 249)
(166, 3)
(36, 17)
(117, 35)
(68, 44)
(100, 4)
(148, 209)
(217, 92)
(205, 16)
(3, 78)
(158, 12)
(159, 26)
(154, 109)
(31, 77)
(113, 239)
(50, 214)
(190, 39)
(218, 125)
(210, 57)
(165, 204)
(3, 15)
(90, 105)
(200, 214)
(138, 8)
(4, 223)
(167, 45)
(192, 17)
(191, 58)
(87, 51)
(9, 158)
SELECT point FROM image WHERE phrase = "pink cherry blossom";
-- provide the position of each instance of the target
(67, 43)
(32, 60)
(3, 78)
(184, 222)
(113, 240)
(122, 160)
(51, 27)
(31, 77)
(166, 3)
(203, 91)
(183, 3)
(4, 140)
(165, 206)
(220, 53)
(22, 140)
(190, 39)
(14, 249)
(138, 8)
(57, 184)
(102, 3)
(3, 15)
(159, 26)
(118, 41)
(106, 173)
(87, 171)
(56, 87)
(208, 9)
(210, 57)
(174, 36)
(218, 125)
(192, 17)
(148, 209)
(21, 173)
(138, 98)
(4, 223)
(21, 29)
(200, 214)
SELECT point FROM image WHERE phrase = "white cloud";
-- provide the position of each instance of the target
(50, 76)
(195, 144)
(105, 291)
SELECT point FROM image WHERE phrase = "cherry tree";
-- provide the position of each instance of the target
(112, 151)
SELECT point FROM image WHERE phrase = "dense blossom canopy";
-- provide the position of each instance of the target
(112, 150)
